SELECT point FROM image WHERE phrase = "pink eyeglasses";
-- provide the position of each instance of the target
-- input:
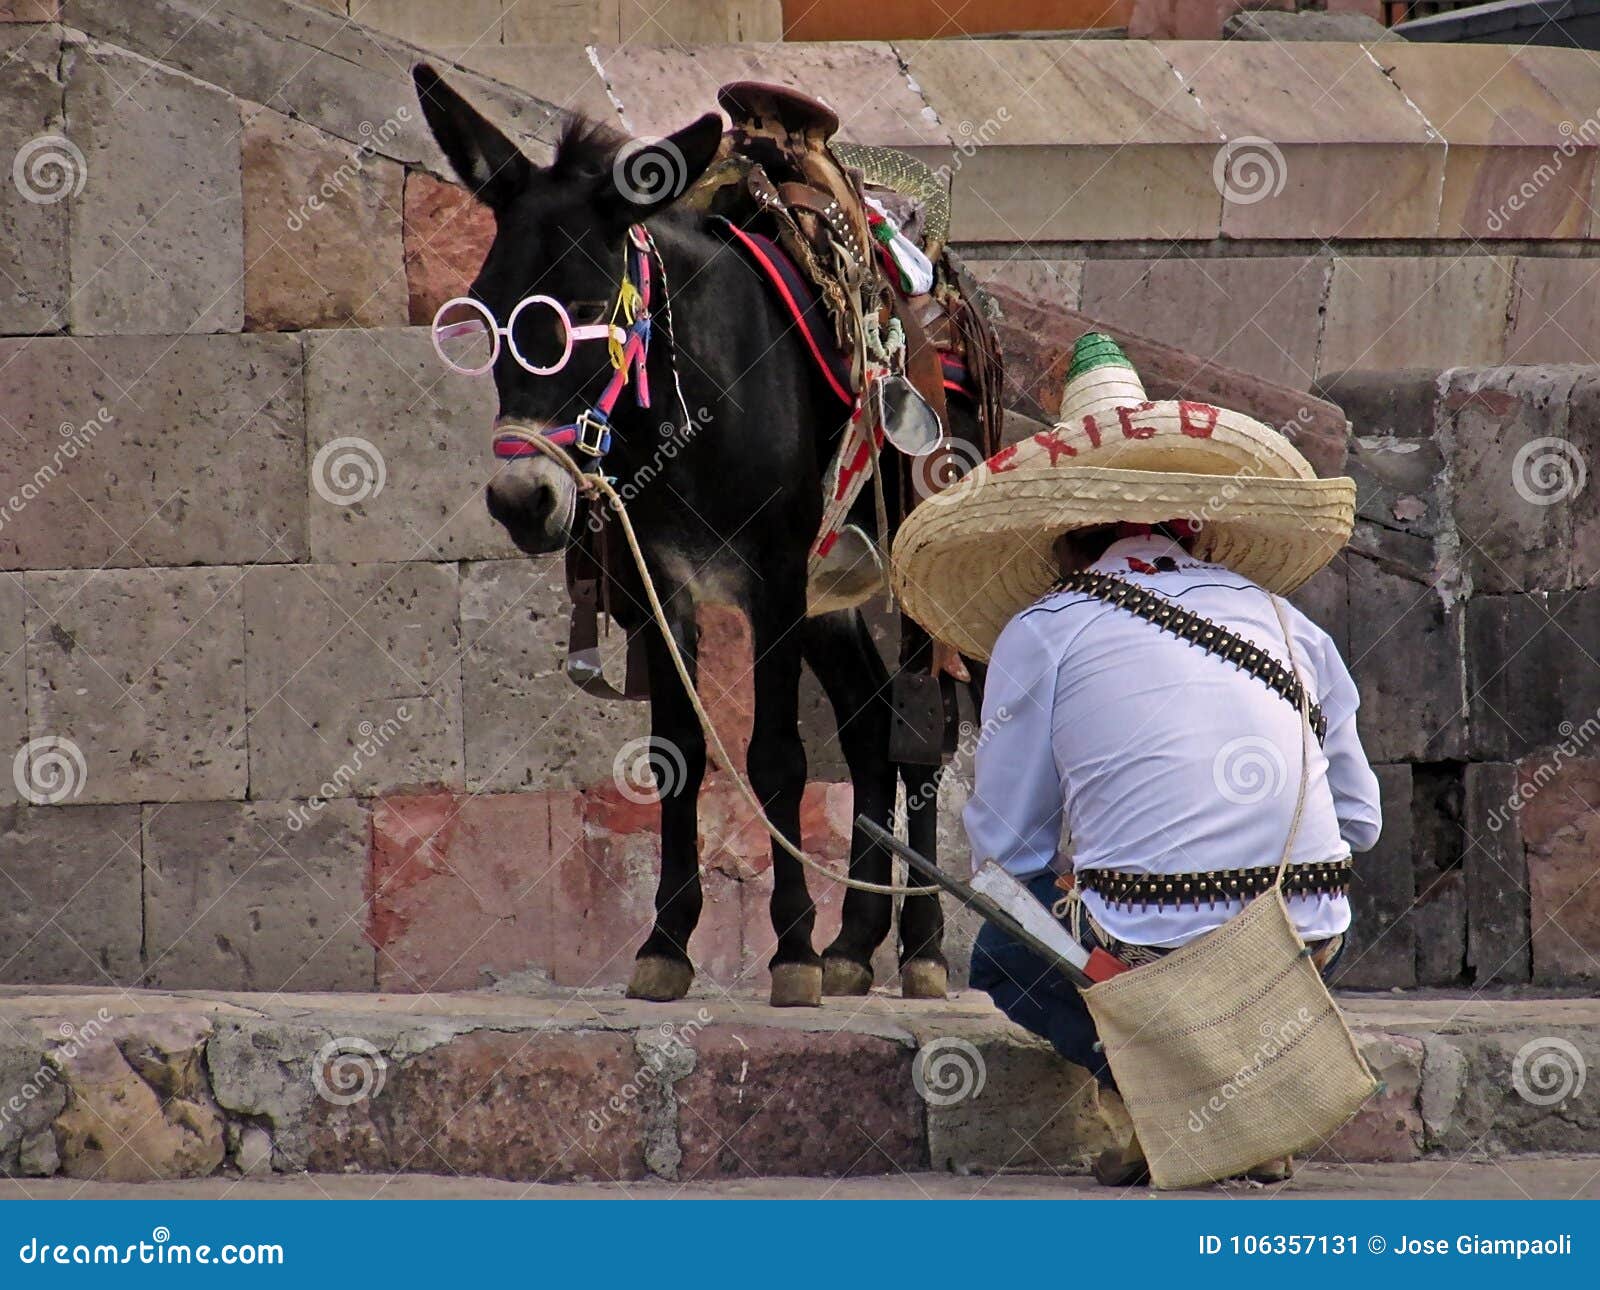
(462, 326)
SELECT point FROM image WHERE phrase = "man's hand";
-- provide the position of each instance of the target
(947, 659)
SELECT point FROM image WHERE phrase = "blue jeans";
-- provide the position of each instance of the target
(1040, 999)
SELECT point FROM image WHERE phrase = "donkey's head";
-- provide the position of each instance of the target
(561, 235)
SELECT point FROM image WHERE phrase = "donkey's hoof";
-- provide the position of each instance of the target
(660, 980)
(924, 979)
(796, 985)
(845, 976)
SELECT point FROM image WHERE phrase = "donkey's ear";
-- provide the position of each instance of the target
(485, 160)
(650, 174)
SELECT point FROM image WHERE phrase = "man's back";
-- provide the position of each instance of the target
(1168, 759)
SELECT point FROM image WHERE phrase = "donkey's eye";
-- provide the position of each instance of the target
(588, 311)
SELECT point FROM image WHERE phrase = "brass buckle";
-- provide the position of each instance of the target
(594, 434)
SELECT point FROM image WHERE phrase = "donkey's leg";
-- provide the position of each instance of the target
(841, 653)
(924, 973)
(663, 971)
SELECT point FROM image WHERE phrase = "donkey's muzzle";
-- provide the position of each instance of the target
(534, 500)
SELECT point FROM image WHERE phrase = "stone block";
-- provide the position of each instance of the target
(571, 23)
(427, 23)
(1050, 280)
(1307, 25)
(557, 71)
(1381, 951)
(1530, 674)
(1405, 656)
(144, 671)
(1439, 918)
(461, 887)
(526, 724)
(1394, 312)
(157, 234)
(354, 684)
(1383, 404)
(447, 236)
(29, 10)
(408, 485)
(1496, 866)
(34, 211)
(152, 450)
(1517, 1089)
(1561, 829)
(1325, 600)
(13, 676)
(1514, 167)
(1555, 311)
(699, 22)
(1309, 125)
(1261, 314)
(241, 896)
(1389, 1127)
(26, 1075)
(1069, 140)
(322, 229)
(73, 874)
(1519, 452)
(780, 1100)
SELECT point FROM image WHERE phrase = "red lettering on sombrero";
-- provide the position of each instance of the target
(1092, 430)
(1004, 460)
(1131, 431)
(1197, 429)
(1055, 445)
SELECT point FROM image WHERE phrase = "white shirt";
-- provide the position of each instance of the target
(1161, 757)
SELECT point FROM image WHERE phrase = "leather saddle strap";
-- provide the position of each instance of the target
(1196, 630)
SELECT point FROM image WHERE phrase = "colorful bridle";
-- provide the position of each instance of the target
(629, 344)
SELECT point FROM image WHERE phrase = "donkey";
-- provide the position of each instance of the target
(728, 516)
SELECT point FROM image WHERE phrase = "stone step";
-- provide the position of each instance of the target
(569, 1086)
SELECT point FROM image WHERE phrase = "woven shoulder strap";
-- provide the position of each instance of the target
(1209, 636)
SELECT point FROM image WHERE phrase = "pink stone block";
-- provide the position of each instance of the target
(447, 236)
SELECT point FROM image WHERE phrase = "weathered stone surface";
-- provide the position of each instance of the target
(447, 236)
(1498, 932)
(1555, 311)
(1334, 120)
(13, 676)
(1439, 918)
(1554, 1109)
(427, 427)
(1306, 25)
(559, 72)
(1400, 311)
(1530, 674)
(461, 888)
(144, 670)
(1518, 451)
(238, 898)
(1383, 404)
(1325, 600)
(31, 1095)
(425, 23)
(752, 1106)
(1405, 655)
(354, 683)
(1560, 828)
(156, 236)
(152, 450)
(73, 872)
(29, 10)
(526, 725)
(1381, 949)
(1258, 314)
(33, 214)
(138, 1108)
(1057, 280)
(322, 229)
(1389, 1127)
(1069, 140)
(658, 22)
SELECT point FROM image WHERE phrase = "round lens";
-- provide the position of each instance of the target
(541, 335)
(463, 335)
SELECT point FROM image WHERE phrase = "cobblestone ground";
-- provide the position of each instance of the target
(1525, 1178)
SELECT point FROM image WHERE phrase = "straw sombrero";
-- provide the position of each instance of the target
(968, 559)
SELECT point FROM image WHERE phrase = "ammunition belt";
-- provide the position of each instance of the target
(1325, 877)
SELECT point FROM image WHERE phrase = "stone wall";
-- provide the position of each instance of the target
(284, 711)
